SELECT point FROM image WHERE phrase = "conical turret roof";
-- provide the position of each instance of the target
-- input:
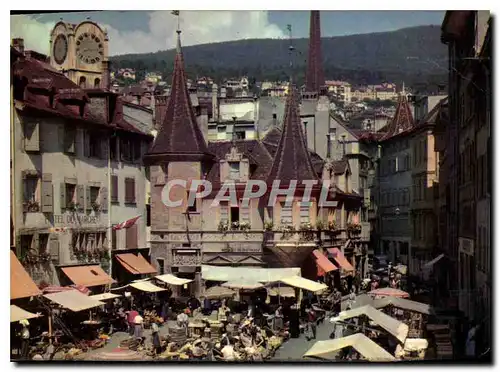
(292, 160)
(179, 133)
(402, 120)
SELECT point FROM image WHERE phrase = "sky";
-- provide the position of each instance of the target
(150, 31)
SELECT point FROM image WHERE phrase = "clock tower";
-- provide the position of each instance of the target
(81, 53)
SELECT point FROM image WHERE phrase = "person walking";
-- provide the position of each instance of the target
(25, 338)
(156, 338)
(138, 327)
(311, 323)
(337, 301)
(352, 299)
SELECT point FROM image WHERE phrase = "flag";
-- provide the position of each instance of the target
(126, 224)
(175, 12)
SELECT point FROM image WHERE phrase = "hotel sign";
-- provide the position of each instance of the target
(75, 219)
(466, 246)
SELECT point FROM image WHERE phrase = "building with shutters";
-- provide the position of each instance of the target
(71, 147)
(466, 148)
(235, 233)
(394, 185)
(424, 205)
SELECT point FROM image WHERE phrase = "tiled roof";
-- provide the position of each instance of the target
(179, 133)
(339, 166)
(254, 150)
(39, 82)
(402, 121)
(292, 160)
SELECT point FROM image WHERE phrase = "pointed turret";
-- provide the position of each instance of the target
(179, 133)
(315, 79)
(292, 160)
(403, 118)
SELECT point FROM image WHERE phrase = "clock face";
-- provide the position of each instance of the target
(60, 49)
(89, 48)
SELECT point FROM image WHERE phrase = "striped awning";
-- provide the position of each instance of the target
(135, 264)
(323, 263)
(340, 259)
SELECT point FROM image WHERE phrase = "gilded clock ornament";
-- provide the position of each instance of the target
(60, 50)
(89, 48)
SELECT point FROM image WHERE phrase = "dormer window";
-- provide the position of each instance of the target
(234, 170)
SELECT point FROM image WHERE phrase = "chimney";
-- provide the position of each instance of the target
(343, 145)
(328, 145)
(106, 80)
(305, 133)
(18, 44)
(215, 115)
(203, 122)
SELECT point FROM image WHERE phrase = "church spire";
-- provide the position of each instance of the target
(177, 13)
(315, 79)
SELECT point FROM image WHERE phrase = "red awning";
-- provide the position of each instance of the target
(323, 263)
(340, 258)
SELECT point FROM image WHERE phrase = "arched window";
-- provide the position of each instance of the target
(83, 82)
(97, 83)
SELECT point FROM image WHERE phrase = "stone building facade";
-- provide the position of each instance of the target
(468, 190)
(394, 189)
(234, 233)
(64, 139)
(424, 208)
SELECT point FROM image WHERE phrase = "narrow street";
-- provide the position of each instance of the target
(294, 348)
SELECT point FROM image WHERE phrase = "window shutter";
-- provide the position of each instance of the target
(86, 144)
(88, 204)
(114, 189)
(127, 190)
(47, 194)
(104, 199)
(80, 196)
(131, 236)
(113, 239)
(132, 190)
(54, 248)
(245, 213)
(69, 138)
(224, 211)
(31, 136)
(304, 212)
(62, 193)
(286, 213)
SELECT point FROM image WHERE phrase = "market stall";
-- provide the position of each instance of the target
(377, 318)
(367, 349)
(393, 292)
(413, 349)
(17, 314)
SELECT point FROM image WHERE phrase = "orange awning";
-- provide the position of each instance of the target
(323, 263)
(135, 264)
(340, 258)
(87, 276)
(21, 284)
